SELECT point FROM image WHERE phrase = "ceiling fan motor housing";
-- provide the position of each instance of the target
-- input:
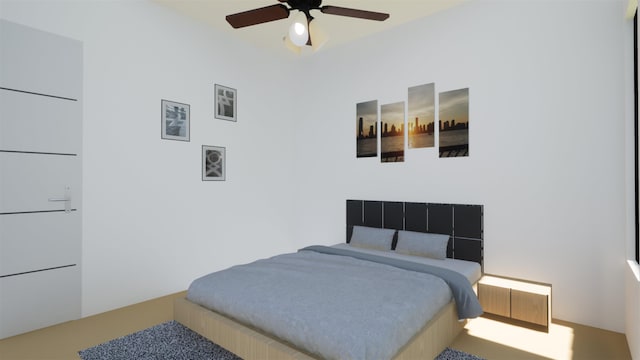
(305, 6)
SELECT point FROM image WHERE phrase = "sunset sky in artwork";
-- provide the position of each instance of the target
(422, 104)
(454, 105)
(368, 111)
(392, 114)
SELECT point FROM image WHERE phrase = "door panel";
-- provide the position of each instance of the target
(51, 123)
(529, 307)
(53, 242)
(28, 181)
(495, 299)
(39, 299)
(38, 61)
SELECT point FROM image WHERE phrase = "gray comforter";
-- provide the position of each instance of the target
(467, 302)
(334, 307)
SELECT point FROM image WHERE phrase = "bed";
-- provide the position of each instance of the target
(343, 312)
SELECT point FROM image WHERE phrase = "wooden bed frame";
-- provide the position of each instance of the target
(464, 224)
(250, 343)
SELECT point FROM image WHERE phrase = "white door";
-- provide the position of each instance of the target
(40, 178)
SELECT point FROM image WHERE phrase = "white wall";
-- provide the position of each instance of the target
(546, 140)
(150, 224)
(547, 143)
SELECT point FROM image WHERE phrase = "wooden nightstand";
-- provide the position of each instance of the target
(516, 299)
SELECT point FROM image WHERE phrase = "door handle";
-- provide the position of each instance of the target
(66, 199)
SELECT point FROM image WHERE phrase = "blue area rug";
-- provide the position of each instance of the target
(173, 341)
(453, 354)
(167, 341)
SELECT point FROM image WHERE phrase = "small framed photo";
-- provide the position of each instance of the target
(226, 99)
(213, 163)
(175, 120)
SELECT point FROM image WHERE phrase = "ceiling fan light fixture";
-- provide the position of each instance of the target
(304, 30)
(290, 45)
(318, 36)
(298, 31)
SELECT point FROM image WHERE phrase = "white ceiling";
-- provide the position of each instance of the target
(340, 29)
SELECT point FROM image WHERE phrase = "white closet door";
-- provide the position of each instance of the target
(39, 304)
(29, 181)
(40, 62)
(40, 178)
(48, 121)
(52, 243)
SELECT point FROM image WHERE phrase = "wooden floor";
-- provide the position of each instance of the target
(65, 340)
(484, 337)
(493, 339)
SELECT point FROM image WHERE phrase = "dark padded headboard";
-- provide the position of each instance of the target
(463, 223)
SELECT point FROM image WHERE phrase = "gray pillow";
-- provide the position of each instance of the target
(372, 238)
(422, 244)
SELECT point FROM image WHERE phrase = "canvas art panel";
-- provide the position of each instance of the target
(453, 135)
(367, 129)
(226, 103)
(392, 132)
(175, 120)
(213, 163)
(421, 113)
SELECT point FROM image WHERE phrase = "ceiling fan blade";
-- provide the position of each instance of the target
(258, 16)
(362, 14)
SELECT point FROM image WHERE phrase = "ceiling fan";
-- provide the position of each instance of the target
(304, 31)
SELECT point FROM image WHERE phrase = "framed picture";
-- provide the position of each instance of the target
(175, 120)
(367, 129)
(392, 132)
(213, 163)
(421, 116)
(226, 100)
(453, 133)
